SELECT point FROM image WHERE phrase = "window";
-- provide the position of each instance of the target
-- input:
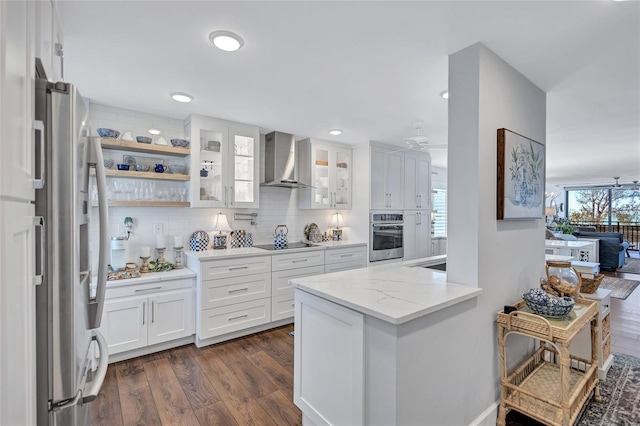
(439, 214)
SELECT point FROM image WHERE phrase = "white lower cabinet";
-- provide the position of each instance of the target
(329, 362)
(288, 266)
(143, 315)
(282, 305)
(239, 295)
(232, 295)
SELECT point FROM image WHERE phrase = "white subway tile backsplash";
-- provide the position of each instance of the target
(277, 205)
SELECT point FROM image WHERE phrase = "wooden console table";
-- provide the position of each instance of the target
(552, 385)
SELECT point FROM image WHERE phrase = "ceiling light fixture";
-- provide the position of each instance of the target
(181, 97)
(444, 94)
(154, 131)
(335, 132)
(226, 40)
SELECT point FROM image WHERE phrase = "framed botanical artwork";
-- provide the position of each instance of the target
(521, 172)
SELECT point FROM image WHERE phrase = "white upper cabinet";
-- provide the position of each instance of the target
(17, 136)
(387, 178)
(327, 167)
(48, 39)
(417, 180)
(224, 163)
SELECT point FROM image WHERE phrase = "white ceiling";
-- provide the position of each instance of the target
(369, 68)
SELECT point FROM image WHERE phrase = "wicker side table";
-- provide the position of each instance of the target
(550, 386)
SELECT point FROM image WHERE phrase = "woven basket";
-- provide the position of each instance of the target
(590, 285)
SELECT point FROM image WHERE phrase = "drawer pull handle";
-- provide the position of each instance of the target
(346, 255)
(299, 260)
(239, 267)
(239, 289)
(238, 317)
(147, 289)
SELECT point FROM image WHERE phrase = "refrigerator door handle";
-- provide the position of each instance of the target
(38, 125)
(96, 160)
(38, 221)
(101, 373)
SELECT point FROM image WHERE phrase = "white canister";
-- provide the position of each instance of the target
(118, 253)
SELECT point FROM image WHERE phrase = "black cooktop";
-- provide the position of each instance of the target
(289, 246)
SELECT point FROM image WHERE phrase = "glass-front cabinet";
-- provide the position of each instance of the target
(224, 163)
(326, 166)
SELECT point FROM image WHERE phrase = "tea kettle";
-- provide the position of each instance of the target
(280, 238)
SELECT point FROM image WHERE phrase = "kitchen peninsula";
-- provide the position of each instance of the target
(362, 344)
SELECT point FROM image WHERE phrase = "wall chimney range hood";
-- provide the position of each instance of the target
(280, 161)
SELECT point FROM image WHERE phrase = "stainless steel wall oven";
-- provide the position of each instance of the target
(385, 236)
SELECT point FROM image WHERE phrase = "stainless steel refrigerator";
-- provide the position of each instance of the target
(68, 306)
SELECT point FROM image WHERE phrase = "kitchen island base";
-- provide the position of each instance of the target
(352, 368)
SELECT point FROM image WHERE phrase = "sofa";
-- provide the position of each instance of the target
(612, 248)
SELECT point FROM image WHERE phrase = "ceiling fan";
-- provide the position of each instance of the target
(617, 185)
(632, 186)
(420, 142)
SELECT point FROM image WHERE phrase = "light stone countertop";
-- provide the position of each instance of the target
(146, 278)
(394, 293)
(254, 251)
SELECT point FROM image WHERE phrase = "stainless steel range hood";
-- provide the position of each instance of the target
(280, 161)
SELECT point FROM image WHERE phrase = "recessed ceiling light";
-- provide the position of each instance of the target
(335, 132)
(445, 94)
(181, 97)
(154, 131)
(226, 40)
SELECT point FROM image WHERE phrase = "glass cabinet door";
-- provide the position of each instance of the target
(243, 173)
(224, 163)
(212, 166)
(322, 193)
(342, 194)
(243, 186)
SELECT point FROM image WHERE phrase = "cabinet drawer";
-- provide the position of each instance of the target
(343, 266)
(282, 307)
(226, 319)
(282, 262)
(216, 293)
(606, 349)
(280, 279)
(235, 267)
(149, 288)
(347, 254)
(606, 327)
(345, 258)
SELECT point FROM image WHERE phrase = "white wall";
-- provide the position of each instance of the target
(504, 258)
(277, 205)
(438, 178)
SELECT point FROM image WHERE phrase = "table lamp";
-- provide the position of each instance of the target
(335, 222)
(221, 225)
(550, 212)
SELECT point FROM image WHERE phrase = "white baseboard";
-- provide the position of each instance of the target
(488, 416)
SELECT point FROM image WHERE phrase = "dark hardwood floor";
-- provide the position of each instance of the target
(247, 381)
